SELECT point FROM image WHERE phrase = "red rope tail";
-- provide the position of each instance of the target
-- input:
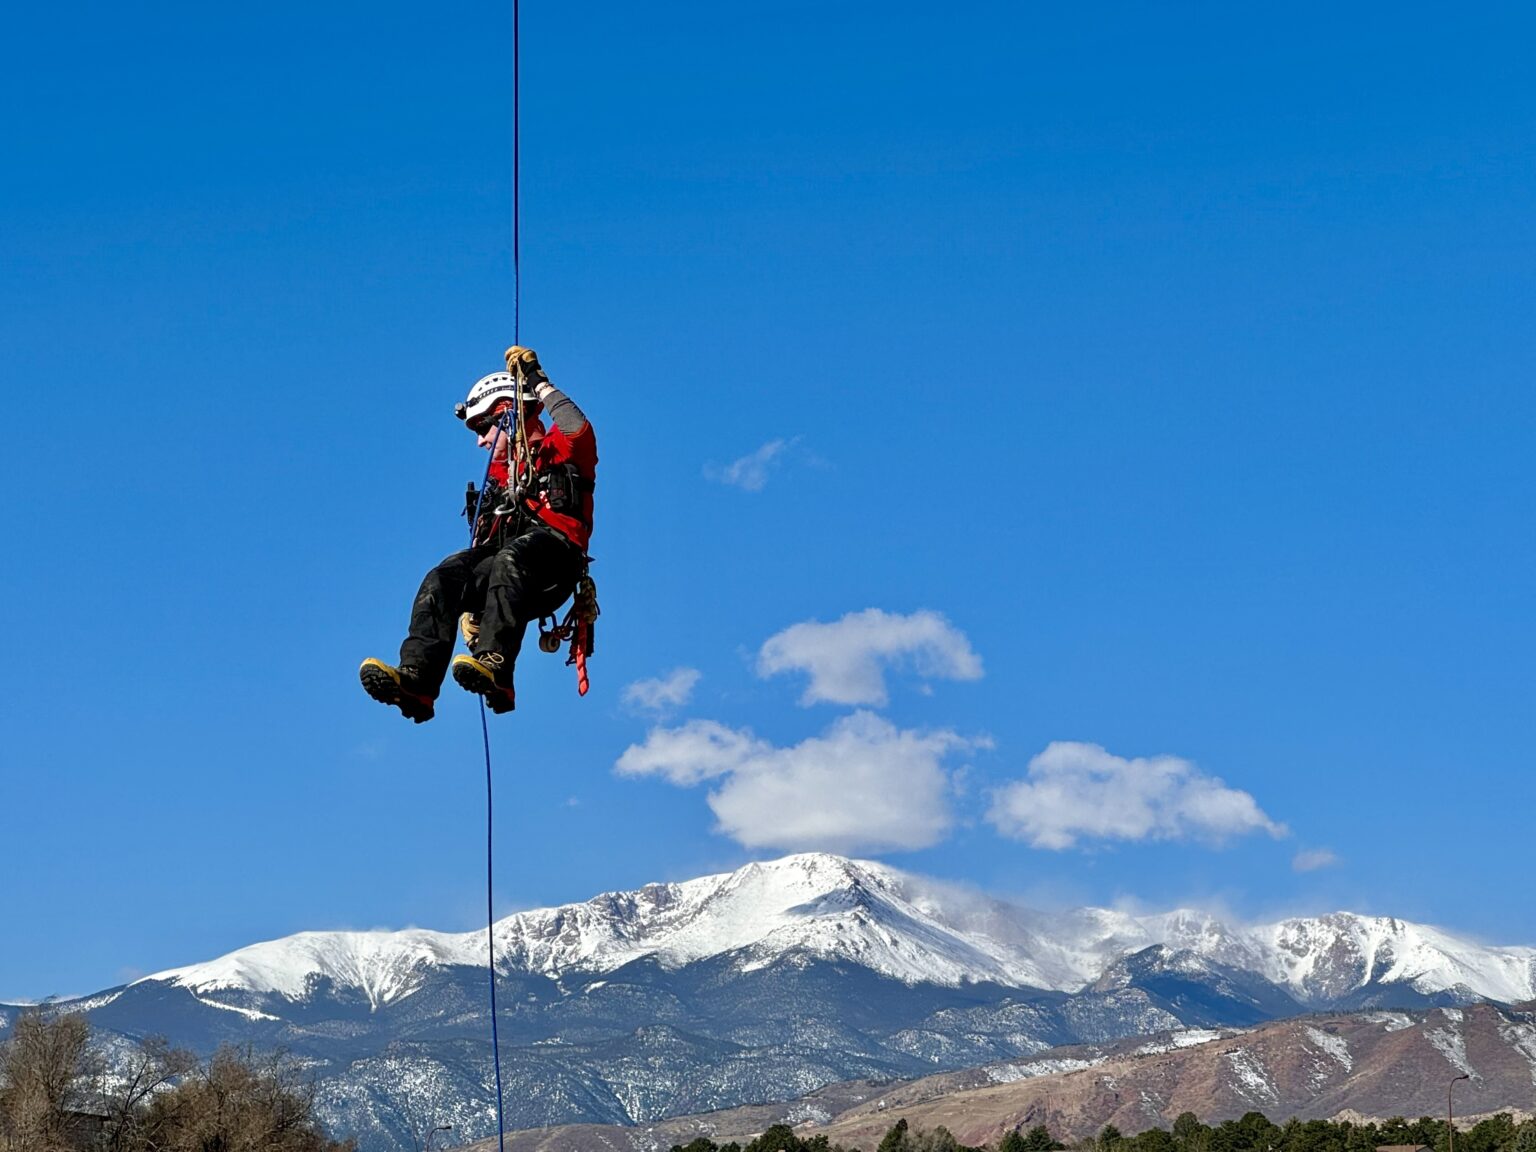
(579, 650)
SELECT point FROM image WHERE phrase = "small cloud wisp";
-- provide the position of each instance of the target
(1312, 859)
(750, 472)
(662, 693)
(847, 659)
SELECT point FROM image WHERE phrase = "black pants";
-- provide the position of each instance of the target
(508, 585)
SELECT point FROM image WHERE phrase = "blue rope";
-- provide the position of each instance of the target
(490, 931)
(517, 199)
(490, 840)
(485, 731)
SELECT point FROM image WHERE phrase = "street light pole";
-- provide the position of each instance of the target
(435, 1131)
(1450, 1119)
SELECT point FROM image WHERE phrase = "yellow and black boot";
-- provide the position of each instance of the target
(486, 674)
(397, 687)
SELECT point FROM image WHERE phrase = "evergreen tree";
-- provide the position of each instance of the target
(1363, 1138)
(1491, 1134)
(1189, 1134)
(1253, 1133)
(778, 1138)
(1153, 1140)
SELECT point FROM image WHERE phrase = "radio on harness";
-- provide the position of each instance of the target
(561, 487)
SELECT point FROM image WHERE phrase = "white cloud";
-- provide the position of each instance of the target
(662, 692)
(751, 471)
(1077, 792)
(1311, 859)
(700, 750)
(862, 786)
(848, 658)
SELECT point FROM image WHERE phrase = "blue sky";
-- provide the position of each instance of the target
(1160, 378)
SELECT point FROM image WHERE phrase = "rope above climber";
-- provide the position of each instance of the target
(530, 523)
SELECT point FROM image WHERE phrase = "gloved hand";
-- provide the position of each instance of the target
(527, 360)
(469, 628)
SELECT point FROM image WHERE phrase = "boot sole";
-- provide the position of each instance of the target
(472, 677)
(384, 688)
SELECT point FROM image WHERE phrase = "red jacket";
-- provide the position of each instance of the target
(558, 446)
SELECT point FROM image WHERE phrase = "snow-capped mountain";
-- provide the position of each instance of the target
(897, 925)
(763, 984)
(1332, 959)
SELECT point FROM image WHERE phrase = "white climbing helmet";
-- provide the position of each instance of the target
(489, 391)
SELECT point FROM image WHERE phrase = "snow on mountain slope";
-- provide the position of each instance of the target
(902, 926)
(815, 903)
(1328, 957)
(384, 966)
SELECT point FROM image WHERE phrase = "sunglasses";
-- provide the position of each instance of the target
(484, 424)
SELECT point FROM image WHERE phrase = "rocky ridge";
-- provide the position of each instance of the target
(1355, 1066)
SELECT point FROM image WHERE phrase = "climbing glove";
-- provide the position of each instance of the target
(527, 360)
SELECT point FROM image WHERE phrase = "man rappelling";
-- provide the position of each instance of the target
(530, 525)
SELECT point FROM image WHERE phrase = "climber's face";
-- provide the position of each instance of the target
(492, 439)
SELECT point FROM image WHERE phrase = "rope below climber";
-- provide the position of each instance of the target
(530, 526)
